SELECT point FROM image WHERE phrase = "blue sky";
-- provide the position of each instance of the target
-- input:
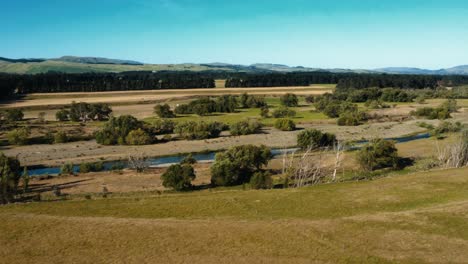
(315, 33)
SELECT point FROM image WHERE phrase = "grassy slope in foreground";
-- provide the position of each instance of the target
(411, 219)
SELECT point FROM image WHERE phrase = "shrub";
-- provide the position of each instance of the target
(447, 127)
(163, 126)
(19, 136)
(10, 175)
(116, 130)
(13, 115)
(378, 154)
(251, 101)
(60, 137)
(310, 99)
(289, 100)
(189, 159)
(236, 165)
(138, 137)
(245, 127)
(285, 124)
(264, 111)
(283, 112)
(91, 167)
(261, 180)
(199, 130)
(62, 115)
(163, 111)
(432, 113)
(179, 177)
(351, 118)
(313, 138)
(66, 168)
(84, 112)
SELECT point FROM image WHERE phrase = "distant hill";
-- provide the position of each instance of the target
(96, 60)
(73, 64)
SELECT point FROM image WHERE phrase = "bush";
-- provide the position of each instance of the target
(62, 115)
(238, 164)
(19, 136)
(138, 137)
(289, 100)
(10, 175)
(283, 112)
(351, 118)
(91, 167)
(264, 111)
(179, 177)
(251, 101)
(163, 126)
(378, 154)
(261, 180)
(60, 137)
(245, 127)
(116, 130)
(432, 113)
(285, 124)
(189, 159)
(310, 99)
(163, 111)
(447, 127)
(13, 115)
(67, 169)
(314, 138)
(192, 130)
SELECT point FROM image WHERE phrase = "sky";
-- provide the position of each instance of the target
(364, 34)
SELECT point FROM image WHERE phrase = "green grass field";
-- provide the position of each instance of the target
(416, 218)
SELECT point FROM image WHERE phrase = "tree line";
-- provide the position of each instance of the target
(11, 84)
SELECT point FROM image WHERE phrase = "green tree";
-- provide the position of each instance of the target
(289, 100)
(192, 130)
(138, 137)
(13, 115)
(116, 130)
(189, 159)
(237, 165)
(245, 127)
(19, 136)
(62, 115)
(163, 111)
(163, 126)
(10, 173)
(264, 111)
(179, 177)
(314, 138)
(378, 154)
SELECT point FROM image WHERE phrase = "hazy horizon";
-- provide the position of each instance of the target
(320, 34)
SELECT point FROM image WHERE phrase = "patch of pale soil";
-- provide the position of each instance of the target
(118, 182)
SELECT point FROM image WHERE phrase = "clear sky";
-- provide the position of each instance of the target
(317, 33)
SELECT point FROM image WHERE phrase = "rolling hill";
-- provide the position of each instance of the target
(73, 64)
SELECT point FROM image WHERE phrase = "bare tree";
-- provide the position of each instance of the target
(338, 149)
(454, 155)
(306, 169)
(139, 163)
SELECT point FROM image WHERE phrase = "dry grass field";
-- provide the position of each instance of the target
(417, 218)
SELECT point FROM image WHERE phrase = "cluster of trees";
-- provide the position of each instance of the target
(83, 112)
(347, 113)
(205, 106)
(12, 115)
(251, 101)
(345, 80)
(124, 130)
(192, 130)
(370, 94)
(12, 84)
(314, 139)
(239, 164)
(441, 112)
